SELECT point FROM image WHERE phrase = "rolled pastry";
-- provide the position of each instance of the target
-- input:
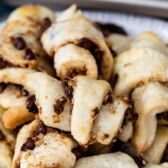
(155, 154)
(39, 146)
(83, 37)
(111, 160)
(96, 114)
(53, 106)
(149, 100)
(20, 42)
(14, 103)
(148, 65)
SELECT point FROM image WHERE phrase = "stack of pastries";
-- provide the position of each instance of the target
(79, 94)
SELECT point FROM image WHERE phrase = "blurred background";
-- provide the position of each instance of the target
(157, 8)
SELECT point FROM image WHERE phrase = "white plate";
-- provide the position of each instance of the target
(133, 24)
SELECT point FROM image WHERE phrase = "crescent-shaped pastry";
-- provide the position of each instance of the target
(82, 33)
(149, 100)
(96, 114)
(14, 103)
(20, 38)
(146, 63)
(111, 160)
(53, 106)
(39, 146)
(155, 154)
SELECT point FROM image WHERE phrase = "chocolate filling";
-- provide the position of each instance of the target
(19, 43)
(31, 106)
(59, 105)
(130, 116)
(2, 87)
(93, 48)
(29, 54)
(29, 145)
(95, 111)
(110, 28)
(68, 89)
(4, 64)
(23, 91)
(41, 129)
(76, 72)
(30, 142)
(140, 161)
(45, 24)
(163, 116)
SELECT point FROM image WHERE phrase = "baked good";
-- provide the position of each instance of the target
(85, 39)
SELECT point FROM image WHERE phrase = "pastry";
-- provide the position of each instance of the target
(39, 146)
(85, 39)
(116, 160)
(20, 38)
(49, 95)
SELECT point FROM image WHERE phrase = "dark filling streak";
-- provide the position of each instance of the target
(2, 137)
(41, 129)
(23, 91)
(109, 28)
(29, 145)
(165, 155)
(95, 111)
(163, 116)
(108, 99)
(59, 105)
(140, 161)
(93, 48)
(2, 87)
(29, 54)
(45, 24)
(4, 64)
(30, 142)
(130, 116)
(19, 43)
(31, 106)
(76, 72)
(68, 89)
